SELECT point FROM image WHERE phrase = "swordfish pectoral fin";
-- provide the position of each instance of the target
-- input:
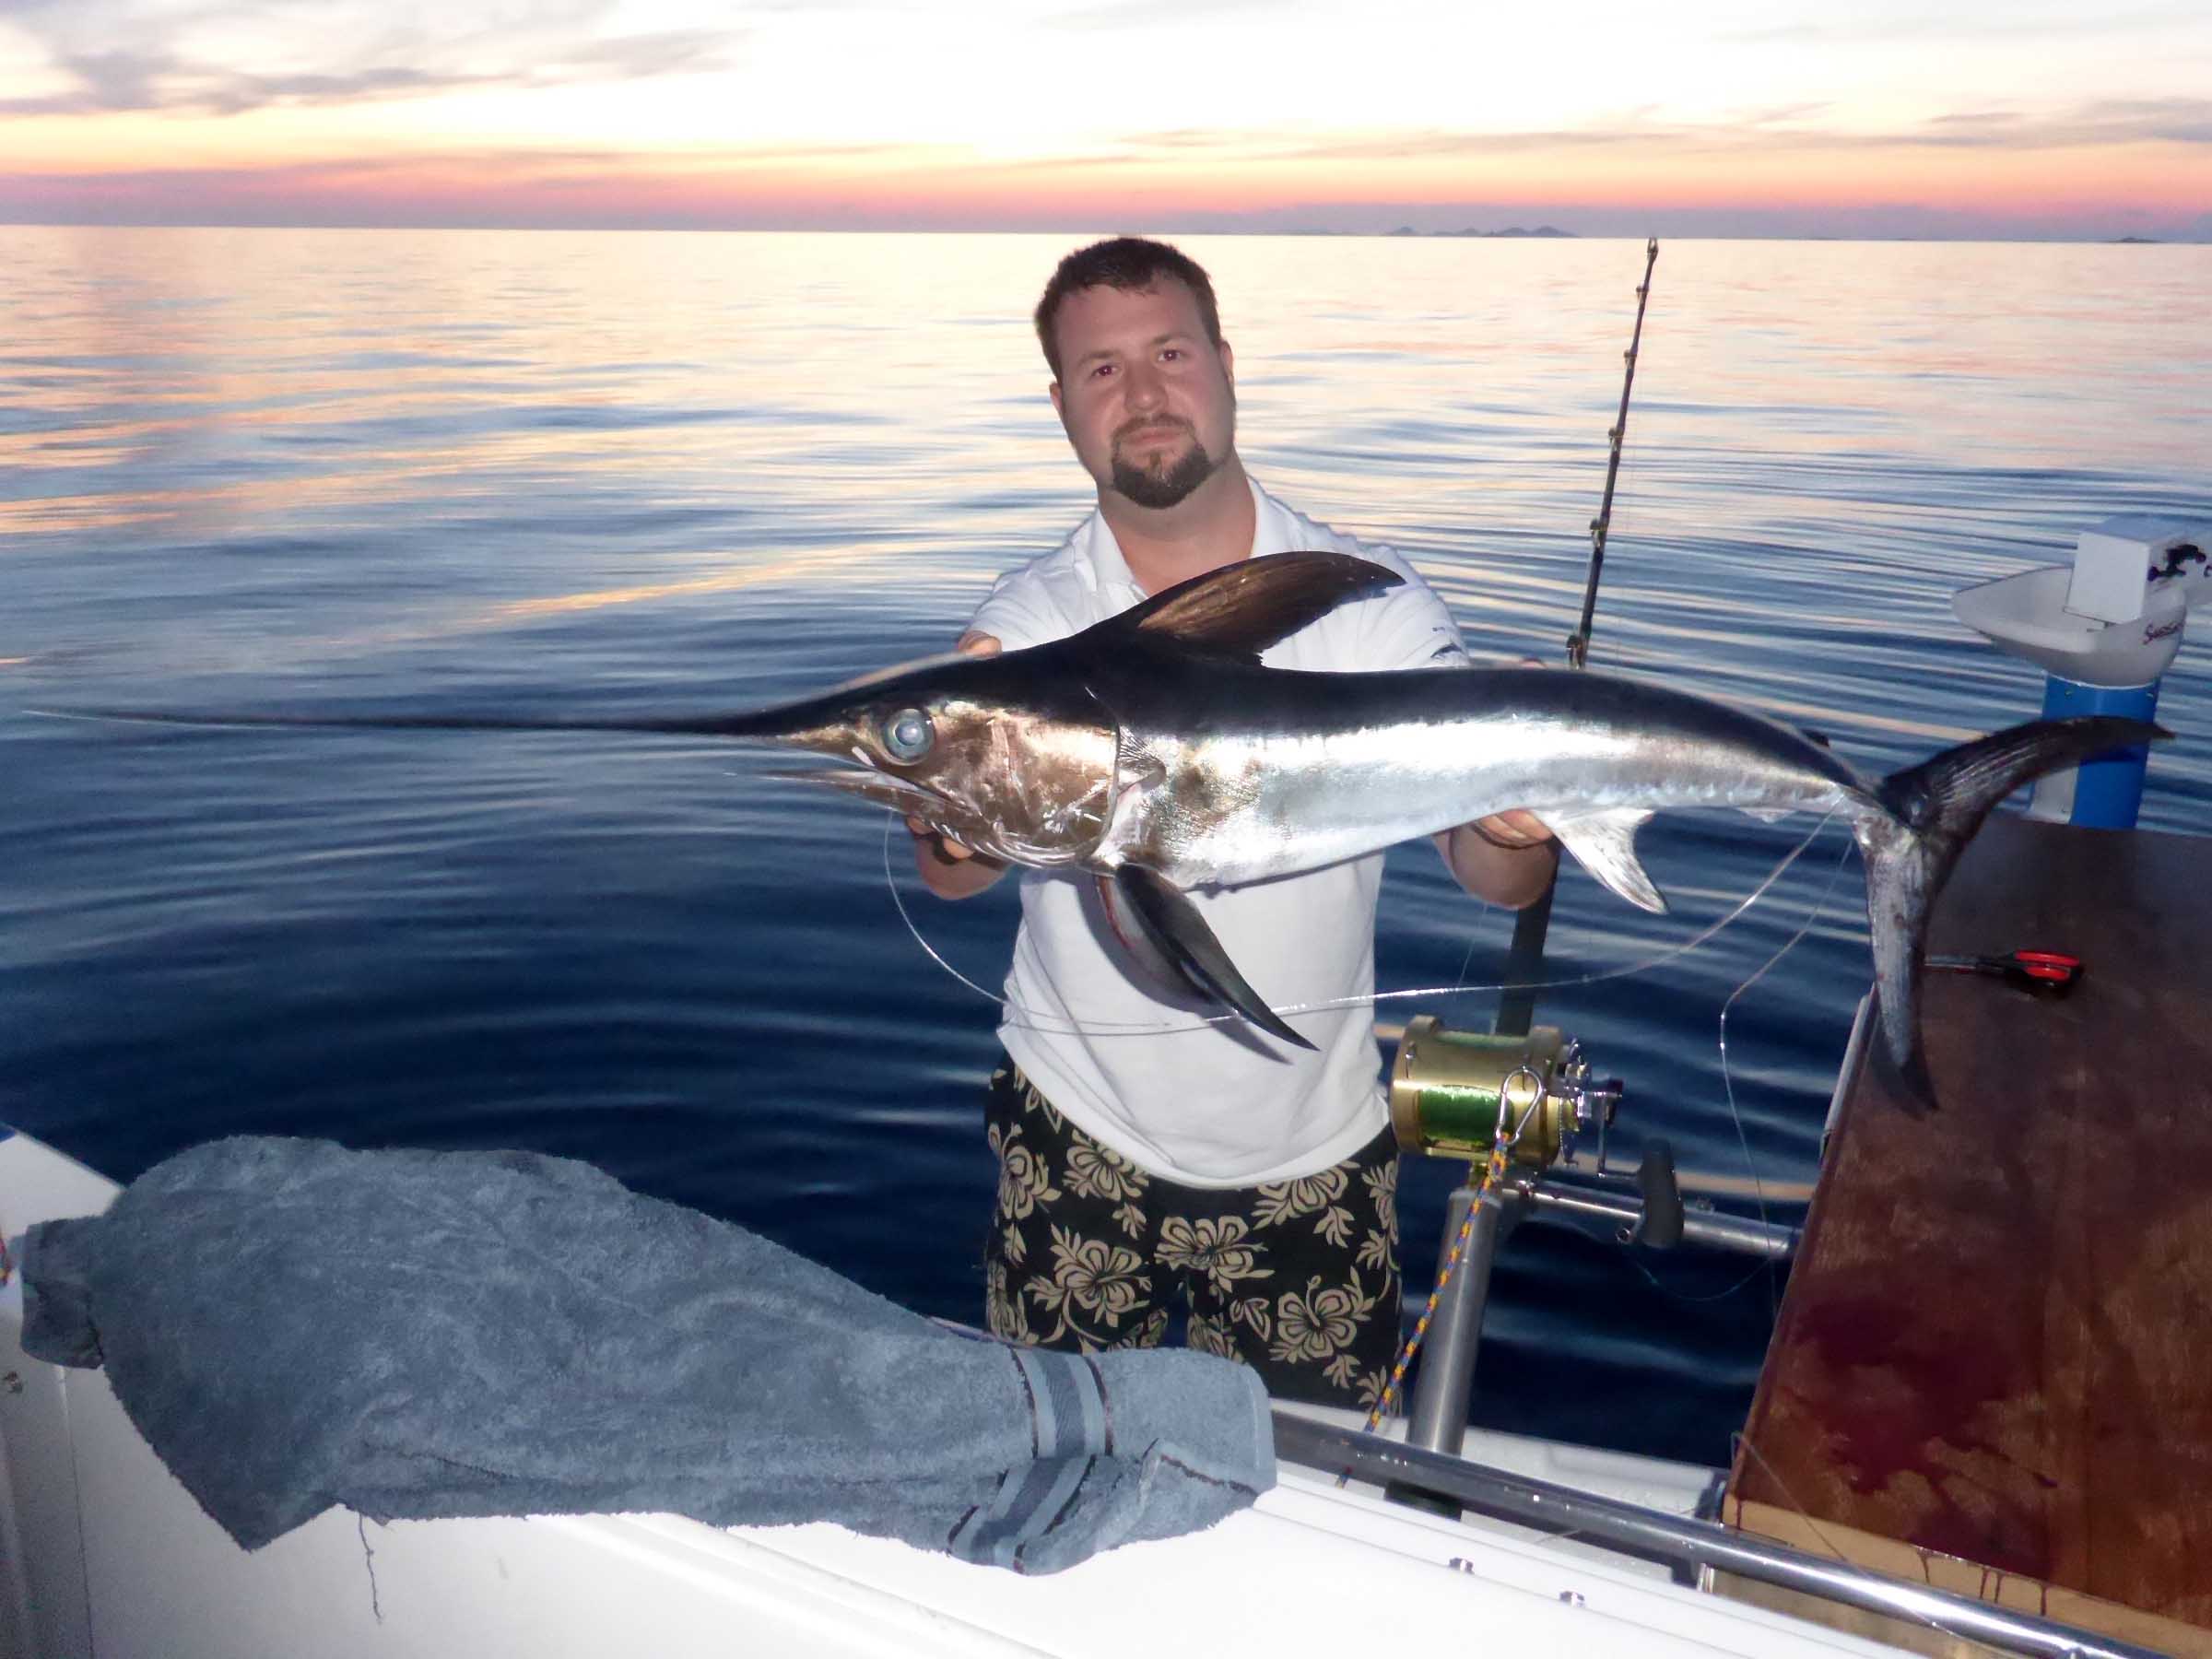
(1171, 926)
(1605, 844)
(1137, 944)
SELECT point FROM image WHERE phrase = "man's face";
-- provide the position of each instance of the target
(1148, 402)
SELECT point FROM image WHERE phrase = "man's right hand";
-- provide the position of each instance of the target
(949, 868)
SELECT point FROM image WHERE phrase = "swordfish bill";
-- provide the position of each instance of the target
(1156, 754)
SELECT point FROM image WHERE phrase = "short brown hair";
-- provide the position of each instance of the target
(1130, 263)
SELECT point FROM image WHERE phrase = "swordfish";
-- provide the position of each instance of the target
(1155, 752)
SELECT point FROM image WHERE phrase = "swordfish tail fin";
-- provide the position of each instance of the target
(1928, 814)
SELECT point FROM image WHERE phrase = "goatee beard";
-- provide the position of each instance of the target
(1165, 488)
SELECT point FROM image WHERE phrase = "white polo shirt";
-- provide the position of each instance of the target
(1211, 1105)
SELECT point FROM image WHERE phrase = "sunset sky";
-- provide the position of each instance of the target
(1776, 118)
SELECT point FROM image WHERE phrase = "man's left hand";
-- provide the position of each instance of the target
(1508, 858)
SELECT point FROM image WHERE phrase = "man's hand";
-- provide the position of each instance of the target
(1508, 858)
(949, 868)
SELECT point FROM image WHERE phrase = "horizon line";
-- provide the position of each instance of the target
(1510, 233)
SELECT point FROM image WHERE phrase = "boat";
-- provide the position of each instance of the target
(1424, 1531)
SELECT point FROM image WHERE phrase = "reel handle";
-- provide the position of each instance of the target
(1662, 1224)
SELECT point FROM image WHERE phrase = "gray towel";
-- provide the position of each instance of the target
(416, 1334)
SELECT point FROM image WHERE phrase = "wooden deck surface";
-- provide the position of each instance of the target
(1996, 1342)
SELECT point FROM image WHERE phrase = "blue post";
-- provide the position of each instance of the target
(2107, 790)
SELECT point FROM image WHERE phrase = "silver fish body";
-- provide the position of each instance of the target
(1224, 772)
(1253, 772)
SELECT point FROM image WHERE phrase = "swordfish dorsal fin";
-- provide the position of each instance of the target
(1240, 609)
(1605, 844)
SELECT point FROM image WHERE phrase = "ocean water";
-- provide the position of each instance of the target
(539, 473)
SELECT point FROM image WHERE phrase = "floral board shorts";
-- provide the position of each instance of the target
(1296, 1279)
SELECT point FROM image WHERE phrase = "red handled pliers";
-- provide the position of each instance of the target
(2049, 972)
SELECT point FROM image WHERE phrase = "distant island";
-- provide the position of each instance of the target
(1409, 231)
(1519, 232)
(1511, 230)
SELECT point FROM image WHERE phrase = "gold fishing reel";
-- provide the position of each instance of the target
(1455, 1094)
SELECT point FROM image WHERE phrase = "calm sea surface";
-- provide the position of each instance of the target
(543, 472)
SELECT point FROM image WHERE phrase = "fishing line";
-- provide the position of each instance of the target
(892, 882)
(1743, 1139)
(1474, 943)
(1671, 954)
(1033, 1020)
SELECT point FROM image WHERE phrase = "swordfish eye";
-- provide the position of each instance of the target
(907, 735)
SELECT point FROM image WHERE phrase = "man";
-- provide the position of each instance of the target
(1143, 1148)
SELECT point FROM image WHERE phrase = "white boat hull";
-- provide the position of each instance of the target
(107, 1555)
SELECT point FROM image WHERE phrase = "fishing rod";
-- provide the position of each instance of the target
(1578, 642)
(1524, 959)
